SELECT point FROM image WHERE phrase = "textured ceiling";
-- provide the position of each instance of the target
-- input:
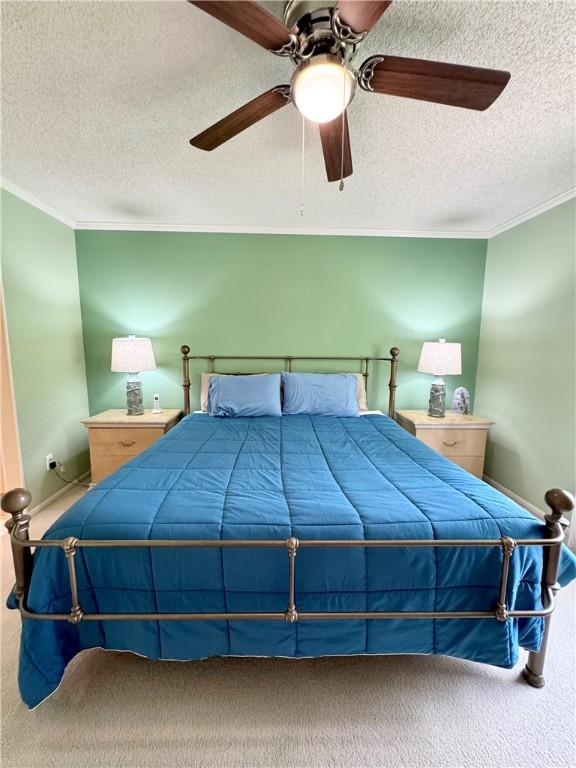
(99, 100)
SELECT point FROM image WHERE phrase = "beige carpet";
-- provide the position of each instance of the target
(116, 709)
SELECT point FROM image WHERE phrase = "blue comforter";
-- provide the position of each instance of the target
(270, 478)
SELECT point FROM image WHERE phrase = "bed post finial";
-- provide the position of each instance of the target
(185, 350)
(394, 352)
(559, 502)
(15, 503)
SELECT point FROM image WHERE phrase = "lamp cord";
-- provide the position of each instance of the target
(71, 482)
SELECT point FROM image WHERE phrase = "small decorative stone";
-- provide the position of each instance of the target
(461, 401)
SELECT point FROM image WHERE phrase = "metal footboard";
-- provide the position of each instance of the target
(15, 502)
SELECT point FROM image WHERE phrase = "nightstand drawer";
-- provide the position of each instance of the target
(472, 464)
(455, 442)
(120, 441)
(115, 437)
(102, 465)
(459, 437)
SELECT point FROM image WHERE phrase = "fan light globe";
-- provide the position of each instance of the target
(322, 88)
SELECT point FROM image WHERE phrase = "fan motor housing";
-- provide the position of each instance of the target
(307, 15)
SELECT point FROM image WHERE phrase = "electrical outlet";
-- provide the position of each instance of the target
(50, 462)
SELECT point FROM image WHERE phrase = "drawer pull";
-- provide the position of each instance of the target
(450, 445)
(127, 443)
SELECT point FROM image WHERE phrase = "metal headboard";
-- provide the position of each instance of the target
(288, 360)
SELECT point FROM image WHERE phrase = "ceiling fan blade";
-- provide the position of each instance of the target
(242, 118)
(250, 19)
(361, 15)
(452, 84)
(338, 165)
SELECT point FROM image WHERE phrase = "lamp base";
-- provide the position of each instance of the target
(437, 401)
(134, 400)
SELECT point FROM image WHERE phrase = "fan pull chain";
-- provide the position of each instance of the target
(302, 167)
(341, 185)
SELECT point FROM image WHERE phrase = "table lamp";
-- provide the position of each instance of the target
(441, 359)
(132, 355)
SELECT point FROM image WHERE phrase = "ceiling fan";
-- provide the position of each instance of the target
(321, 38)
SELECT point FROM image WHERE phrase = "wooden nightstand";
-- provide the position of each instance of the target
(115, 437)
(462, 439)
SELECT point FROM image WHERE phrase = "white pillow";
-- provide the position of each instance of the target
(205, 380)
(361, 392)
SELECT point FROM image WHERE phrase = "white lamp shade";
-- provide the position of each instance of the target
(132, 355)
(440, 358)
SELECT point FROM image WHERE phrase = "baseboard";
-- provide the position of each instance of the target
(570, 539)
(68, 487)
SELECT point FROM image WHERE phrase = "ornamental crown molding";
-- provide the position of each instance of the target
(131, 226)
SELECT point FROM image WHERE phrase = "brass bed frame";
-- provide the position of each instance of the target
(16, 501)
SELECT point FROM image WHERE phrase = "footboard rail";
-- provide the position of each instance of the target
(15, 502)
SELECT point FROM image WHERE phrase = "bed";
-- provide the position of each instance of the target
(292, 536)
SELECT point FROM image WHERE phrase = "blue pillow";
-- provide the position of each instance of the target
(320, 394)
(236, 396)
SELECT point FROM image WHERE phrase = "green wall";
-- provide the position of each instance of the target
(40, 282)
(526, 362)
(270, 294)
